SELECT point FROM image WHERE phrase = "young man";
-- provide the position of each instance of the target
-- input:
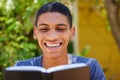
(53, 30)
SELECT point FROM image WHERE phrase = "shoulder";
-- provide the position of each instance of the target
(36, 61)
(80, 59)
(96, 72)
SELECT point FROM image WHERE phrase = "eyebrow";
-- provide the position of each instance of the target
(43, 24)
(61, 25)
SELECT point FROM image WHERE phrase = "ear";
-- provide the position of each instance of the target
(35, 33)
(72, 32)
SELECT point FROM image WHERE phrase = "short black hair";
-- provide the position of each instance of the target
(55, 7)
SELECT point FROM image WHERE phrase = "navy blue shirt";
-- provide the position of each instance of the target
(96, 72)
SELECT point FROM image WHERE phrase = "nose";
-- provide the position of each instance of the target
(52, 36)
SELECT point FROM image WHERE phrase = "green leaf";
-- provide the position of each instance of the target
(85, 51)
(10, 20)
(2, 18)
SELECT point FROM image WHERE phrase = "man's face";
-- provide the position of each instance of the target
(53, 33)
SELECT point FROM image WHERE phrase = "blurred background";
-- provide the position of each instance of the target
(97, 24)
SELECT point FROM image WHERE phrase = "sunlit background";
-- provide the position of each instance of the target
(97, 24)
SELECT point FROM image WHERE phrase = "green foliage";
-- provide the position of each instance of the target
(70, 47)
(16, 18)
(85, 51)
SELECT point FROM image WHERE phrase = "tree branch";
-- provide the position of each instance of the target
(113, 9)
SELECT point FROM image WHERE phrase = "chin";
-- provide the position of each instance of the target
(53, 55)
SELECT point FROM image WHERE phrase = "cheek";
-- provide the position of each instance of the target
(40, 36)
(39, 42)
(40, 39)
(66, 38)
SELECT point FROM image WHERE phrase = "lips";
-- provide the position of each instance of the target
(53, 45)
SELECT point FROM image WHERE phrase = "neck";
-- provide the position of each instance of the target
(51, 62)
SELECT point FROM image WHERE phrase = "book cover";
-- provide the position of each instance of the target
(63, 72)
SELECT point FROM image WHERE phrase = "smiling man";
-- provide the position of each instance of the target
(53, 33)
(53, 30)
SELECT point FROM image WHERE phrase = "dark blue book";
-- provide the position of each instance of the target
(63, 72)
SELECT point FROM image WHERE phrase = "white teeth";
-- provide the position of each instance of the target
(52, 45)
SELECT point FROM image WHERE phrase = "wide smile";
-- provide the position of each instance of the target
(53, 45)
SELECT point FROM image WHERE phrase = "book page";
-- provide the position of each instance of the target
(65, 67)
(25, 68)
(52, 69)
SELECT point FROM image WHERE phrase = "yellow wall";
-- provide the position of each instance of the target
(93, 32)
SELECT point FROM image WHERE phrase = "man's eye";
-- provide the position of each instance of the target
(61, 29)
(44, 30)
